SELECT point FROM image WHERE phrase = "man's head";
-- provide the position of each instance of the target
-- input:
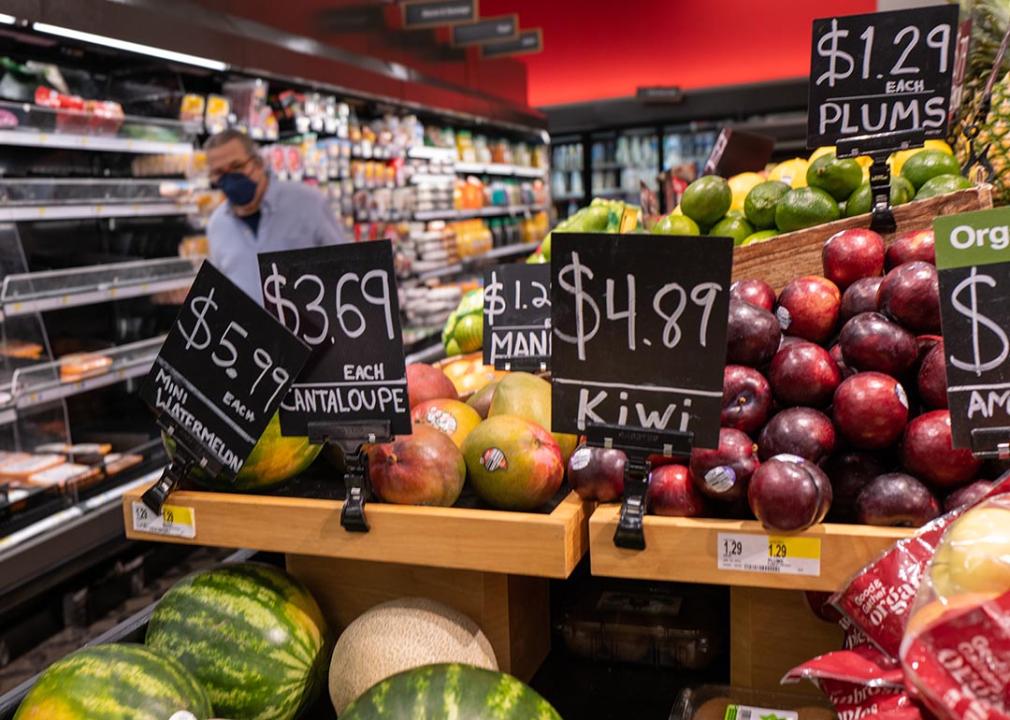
(236, 168)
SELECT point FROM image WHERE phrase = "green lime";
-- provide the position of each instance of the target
(676, 225)
(759, 205)
(707, 199)
(838, 177)
(941, 185)
(927, 164)
(861, 201)
(536, 259)
(759, 237)
(902, 191)
(733, 227)
(805, 207)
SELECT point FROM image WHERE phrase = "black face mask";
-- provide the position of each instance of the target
(239, 188)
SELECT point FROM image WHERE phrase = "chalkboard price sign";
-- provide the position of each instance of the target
(224, 369)
(639, 332)
(973, 259)
(887, 72)
(341, 300)
(517, 316)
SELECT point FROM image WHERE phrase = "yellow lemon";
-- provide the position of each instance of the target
(825, 150)
(791, 172)
(938, 145)
(742, 184)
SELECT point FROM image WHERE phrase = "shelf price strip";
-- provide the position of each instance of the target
(517, 317)
(341, 301)
(639, 348)
(777, 555)
(223, 371)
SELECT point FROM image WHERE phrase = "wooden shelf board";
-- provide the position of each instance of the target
(684, 550)
(541, 545)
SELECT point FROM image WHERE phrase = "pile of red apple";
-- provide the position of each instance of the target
(834, 402)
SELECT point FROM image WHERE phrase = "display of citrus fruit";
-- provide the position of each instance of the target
(839, 177)
(823, 150)
(740, 185)
(706, 200)
(734, 227)
(759, 237)
(676, 225)
(941, 185)
(927, 164)
(791, 172)
(805, 207)
(759, 206)
(861, 201)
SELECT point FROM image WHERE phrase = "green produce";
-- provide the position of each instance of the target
(902, 191)
(928, 164)
(861, 201)
(733, 227)
(464, 329)
(707, 200)
(759, 206)
(251, 634)
(676, 225)
(805, 207)
(115, 682)
(448, 692)
(941, 185)
(839, 177)
(759, 237)
(274, 459)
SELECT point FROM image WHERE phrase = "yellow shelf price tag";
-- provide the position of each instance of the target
(774, 554)
(174, 521)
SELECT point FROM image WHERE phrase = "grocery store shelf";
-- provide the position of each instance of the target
(45, 382)
(26, 293)
(686, 550)
(571, 197)
(612, 192)
(35, 138)
(423, 152)
(493, 211)
(23, 213)
(472, 263)
(532, 544)
(499, 169)
(432, 178)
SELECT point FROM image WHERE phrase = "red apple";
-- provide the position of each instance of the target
(896, 500)
(789, 494)
(925, 343)
(849, 255)
(849, 473)
(911, 246)
(800, 431)
(871, 410)
(423, 468)
(809, 307)
(932, 378)
(722, 474)
(746, 399)
(803, 374)
(752, 334)
(910, 294)
(860, 297)
(597, 473)
(836, 354)
(969, 495)
(671, 492)
(755, 292)
(790, 340)
(928, 452)
(870, 341)
(425, 382)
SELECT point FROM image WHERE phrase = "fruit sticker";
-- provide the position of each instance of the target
(720, 479)
(494, 459)
(581, 458)
(441, 420)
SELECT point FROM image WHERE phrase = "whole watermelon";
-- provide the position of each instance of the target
(114, 682)
(274, 459)
(444, 692)
(251, 634)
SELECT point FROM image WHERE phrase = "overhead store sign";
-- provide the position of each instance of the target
(529, 41)
(887, 72)
(435, 13)
(505, 27)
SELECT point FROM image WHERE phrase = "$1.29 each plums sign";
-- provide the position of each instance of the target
(881, 72)
(639, 332)
(973, 259)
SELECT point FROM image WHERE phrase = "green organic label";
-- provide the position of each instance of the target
(748, 712)
(974, 238)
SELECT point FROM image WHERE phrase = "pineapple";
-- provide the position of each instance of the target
(995, 132)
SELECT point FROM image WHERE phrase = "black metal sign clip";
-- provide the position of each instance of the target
(184, 462)
(352, 436)
(531, 363)
(638, 447)
(991, 443)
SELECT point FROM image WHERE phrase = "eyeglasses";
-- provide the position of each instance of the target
(237, 166)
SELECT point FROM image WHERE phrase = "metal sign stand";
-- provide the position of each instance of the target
(532, 363)
(638, 446)
(184, 462)
(991, 443)
(352, 436)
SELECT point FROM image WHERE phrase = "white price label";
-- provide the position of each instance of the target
(174, 521)
(778, 555)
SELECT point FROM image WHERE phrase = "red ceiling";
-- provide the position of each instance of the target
(603, 48)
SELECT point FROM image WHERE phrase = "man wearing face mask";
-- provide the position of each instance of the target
(262, 214)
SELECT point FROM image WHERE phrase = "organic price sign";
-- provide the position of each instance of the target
(517, 316)
(341, 300)
(639, 332)
(225, 367)
(881, 73)
(973, 259)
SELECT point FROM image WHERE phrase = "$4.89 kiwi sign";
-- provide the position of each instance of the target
(881, 72)
(639, 332)
(973, 260)
(341, 300)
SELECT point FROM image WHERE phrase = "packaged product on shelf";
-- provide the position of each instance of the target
(78, 366)
(719, 702)
(19, 470)
(216, 116)
(115, 463)
(192, 107)
(63, 475)
(21, 349)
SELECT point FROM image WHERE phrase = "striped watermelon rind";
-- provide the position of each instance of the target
(251, 634)
(118, 681)
(447, 691)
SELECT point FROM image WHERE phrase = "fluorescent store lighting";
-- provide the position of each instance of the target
(130, 46)
(7, 19)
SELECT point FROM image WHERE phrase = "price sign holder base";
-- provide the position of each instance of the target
(182, 465)
(638, 446)
(878, 147)
(991, 443)
(533, 363)
(351, 437)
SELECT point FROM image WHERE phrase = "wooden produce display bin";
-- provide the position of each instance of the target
(492, 565)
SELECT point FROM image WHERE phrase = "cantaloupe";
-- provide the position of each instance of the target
(400, 635)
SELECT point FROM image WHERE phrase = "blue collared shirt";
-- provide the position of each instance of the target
(292, 216)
